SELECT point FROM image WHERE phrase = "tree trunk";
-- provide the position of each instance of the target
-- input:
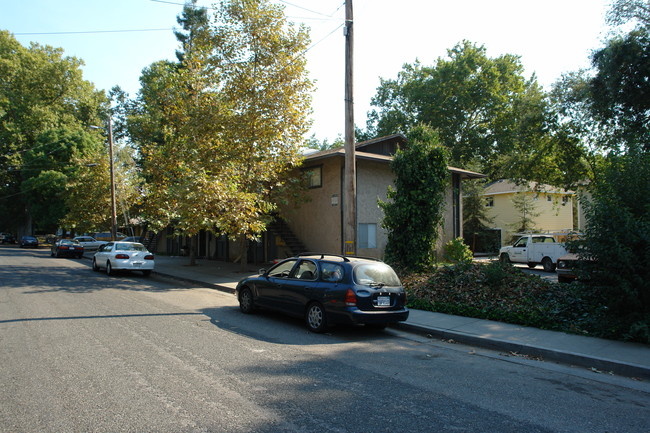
(243, 248)
(192, 253)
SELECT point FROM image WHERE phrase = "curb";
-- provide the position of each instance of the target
(568, 358)
(218, 287)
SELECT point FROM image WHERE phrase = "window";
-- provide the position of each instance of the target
(314, 177)
(367, 235)
(332, 272)
(306, 270)
(282, 270)
(489, 201)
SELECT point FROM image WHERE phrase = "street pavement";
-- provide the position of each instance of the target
(599, 355)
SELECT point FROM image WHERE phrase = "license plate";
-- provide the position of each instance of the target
(138, 263)
(383, 301)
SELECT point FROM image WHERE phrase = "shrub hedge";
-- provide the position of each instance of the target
(501, 292)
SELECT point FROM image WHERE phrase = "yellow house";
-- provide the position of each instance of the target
(548, 208)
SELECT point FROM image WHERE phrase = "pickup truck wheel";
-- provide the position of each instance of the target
(548, 264)
(504, 257)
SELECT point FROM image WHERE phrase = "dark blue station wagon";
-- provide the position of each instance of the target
(326, 290)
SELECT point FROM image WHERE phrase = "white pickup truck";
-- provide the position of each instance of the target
(534, 250)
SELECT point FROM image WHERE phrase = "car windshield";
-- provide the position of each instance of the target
(376, 274)
(129, 247)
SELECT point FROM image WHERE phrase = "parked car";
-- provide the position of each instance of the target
(534, 250)
(28, 241)
(67, 248)
(107, 236)
(89, 242)
(7, 238)
(326, 290)
(571, 267)
(127, 256)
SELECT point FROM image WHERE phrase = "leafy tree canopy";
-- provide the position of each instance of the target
(219, 130)
(44, 106)
(482, 107)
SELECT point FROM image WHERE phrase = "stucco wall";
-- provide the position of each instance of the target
(373, 179)
(317, 221)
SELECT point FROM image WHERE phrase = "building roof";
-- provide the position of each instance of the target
(371, 156)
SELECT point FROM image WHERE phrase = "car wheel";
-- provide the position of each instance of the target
(109, 269)
(505, 258)
(246, 304)
(146, 273)
(548, 264)
(95, 267)
(315, 318)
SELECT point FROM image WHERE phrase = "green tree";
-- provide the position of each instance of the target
(526, 207)
(47, 170)
(620, 90)
(617, 238)
(44, 106)
(220, 131)
(413, 212)
(624, 11)
(482, 107)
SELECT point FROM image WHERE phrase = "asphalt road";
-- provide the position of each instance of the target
(81, 352)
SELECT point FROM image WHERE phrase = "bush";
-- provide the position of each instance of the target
(498, 291)
(456, 251)
(617, 239)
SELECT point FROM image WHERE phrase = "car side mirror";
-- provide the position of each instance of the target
(262, 271)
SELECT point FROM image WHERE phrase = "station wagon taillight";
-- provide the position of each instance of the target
(350, 298)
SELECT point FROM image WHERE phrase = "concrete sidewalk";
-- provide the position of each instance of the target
(626, 359)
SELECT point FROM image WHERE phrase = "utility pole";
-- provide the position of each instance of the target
(112, 172)
(113, 207)
(350, 191)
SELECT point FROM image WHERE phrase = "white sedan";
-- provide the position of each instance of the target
(127, 256)
(89, 242)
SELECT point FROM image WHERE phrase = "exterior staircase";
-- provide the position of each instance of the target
(150, 241)
(280, 228)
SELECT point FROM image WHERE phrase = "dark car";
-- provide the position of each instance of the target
(7, 238)
(572, 266)
(28, 241)
(67, 248)
(326, 290)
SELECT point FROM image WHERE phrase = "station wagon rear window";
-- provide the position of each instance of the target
(376, 274)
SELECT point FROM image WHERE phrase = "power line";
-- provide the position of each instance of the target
(309, 10)
(93, 31)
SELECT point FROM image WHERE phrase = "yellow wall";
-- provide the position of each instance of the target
(554, 215)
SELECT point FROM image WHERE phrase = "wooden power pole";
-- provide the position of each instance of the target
(350, 188)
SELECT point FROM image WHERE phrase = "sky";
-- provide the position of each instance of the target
(118, 38)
